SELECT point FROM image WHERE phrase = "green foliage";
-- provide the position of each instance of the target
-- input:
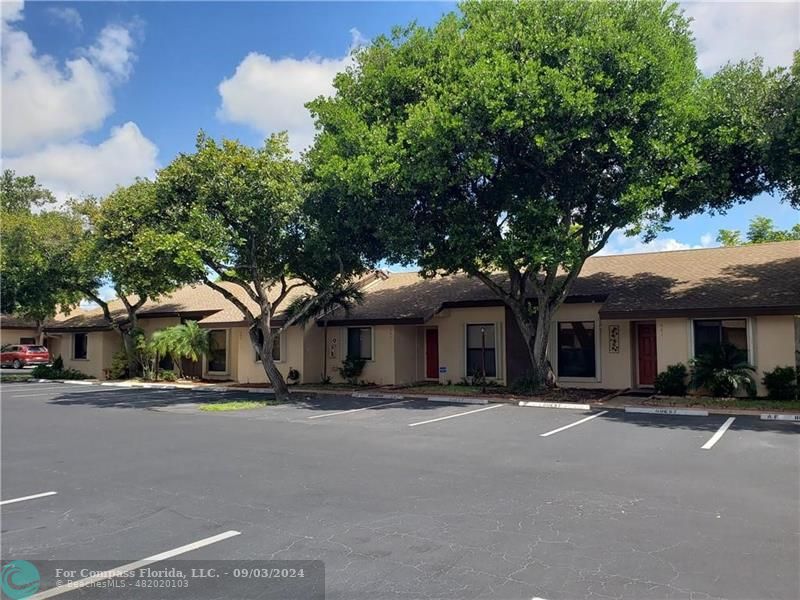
(187, 340)
(119, 365)
(20, 194)
(351, 369)
(762, 229)
(293, 376)
(326, 380)
(781, 383)
(783, 151)
(528, 384)
(58, 363)
(673, 381)
(723, 371)
(51, 372)
(168, 375)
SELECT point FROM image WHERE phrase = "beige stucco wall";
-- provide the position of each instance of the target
(380, 370)
(451, 324)
(100, 348)
(406, 353)
(773, 345)
(313, 352)
(12, 336)
(242, 364)
(672, 342)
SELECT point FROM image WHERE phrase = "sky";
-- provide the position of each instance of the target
(95, 94)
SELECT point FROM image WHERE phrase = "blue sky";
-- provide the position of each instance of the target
(97, 93)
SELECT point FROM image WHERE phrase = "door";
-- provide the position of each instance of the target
(432, 353)
(646, 353)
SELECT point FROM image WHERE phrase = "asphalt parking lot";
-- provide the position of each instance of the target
(406, 499)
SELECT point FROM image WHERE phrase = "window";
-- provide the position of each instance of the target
(481, 353)
(276, 345)
(713, 333)
(576, 349)
(80, 346)
(218, 355)
(27, 340)
(359, 342)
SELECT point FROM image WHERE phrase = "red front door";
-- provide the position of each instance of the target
(432, 353)
(646, 352)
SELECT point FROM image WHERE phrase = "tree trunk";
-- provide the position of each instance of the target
(534, 329)
(265, 351)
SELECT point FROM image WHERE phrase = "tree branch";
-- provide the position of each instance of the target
(230, 297)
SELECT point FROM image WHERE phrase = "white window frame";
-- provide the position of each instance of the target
(497, 350)
(281, 344)
(553, 352)
(371, 337)
(87, 346)
(749, 331)
(227, 355)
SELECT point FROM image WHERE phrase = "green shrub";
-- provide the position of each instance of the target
(673, 381)
(51, 372)
(326, 380)
(58, 363)
(723, 372)
(527, 384)
(119, 365)
(351, 369)
(293, 376)
(781, 383)
(168, 375)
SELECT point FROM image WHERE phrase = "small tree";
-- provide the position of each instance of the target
(761, 230)
(125, 245)
(239, 213)
(187, 340)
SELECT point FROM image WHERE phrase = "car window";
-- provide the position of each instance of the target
(37, 349)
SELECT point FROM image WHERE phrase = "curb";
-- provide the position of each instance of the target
(457, 399)
(686, 412)
(780, 417)
(537, 404)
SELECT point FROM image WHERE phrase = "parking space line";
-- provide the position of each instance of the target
(32, 497)
(352, 410)
(469, 412)
(116, 572)
(720, 432)
(589, 418)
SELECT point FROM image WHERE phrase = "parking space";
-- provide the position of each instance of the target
(407, 498)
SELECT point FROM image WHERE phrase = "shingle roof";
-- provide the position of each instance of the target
(15, 322)
(757, 279)
(762, 278)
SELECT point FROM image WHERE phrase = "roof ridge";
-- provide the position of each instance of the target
(705, 249)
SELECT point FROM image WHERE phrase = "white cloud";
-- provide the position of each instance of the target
(67, 16)
(269, 94)
(76, 168)
(732, 31)
(44, 101)
(620, 244)
(10, 10)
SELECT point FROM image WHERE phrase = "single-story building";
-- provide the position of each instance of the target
(627, 318)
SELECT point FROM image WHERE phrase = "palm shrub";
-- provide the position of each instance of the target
(723, 371)
(672, 381)
(781, 383)
(187, 340)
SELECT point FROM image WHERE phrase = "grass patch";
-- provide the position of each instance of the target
(14, 378)
(228, 405)
(740, 403)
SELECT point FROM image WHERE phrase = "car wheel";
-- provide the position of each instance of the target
(17, 364)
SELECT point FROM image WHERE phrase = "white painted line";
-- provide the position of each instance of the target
(687, 412)
(352, 410)
(377, 395)
(589, 418)
(33, 497)
(779, 417)
(469, 412)
(720, 432)
(81, 382)
(554, 405)
(134, 566)
(458, 399)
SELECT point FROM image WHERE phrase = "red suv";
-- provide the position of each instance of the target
(23, 354)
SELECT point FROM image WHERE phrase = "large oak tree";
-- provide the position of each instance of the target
(512, 139)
